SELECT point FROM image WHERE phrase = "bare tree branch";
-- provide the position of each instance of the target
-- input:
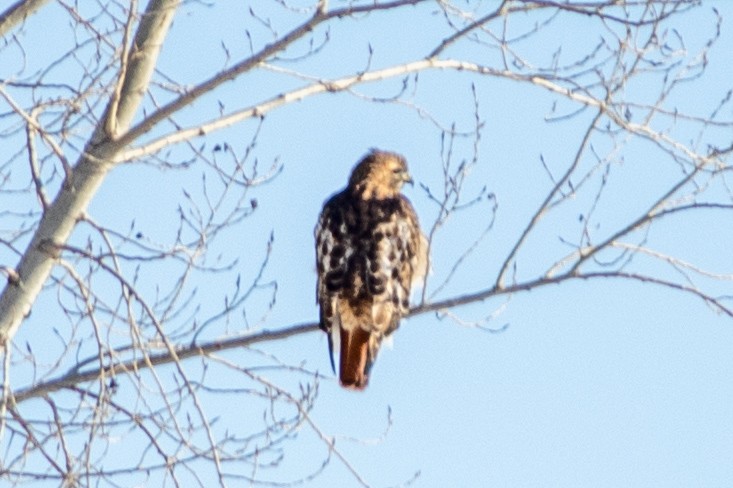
(156, 333)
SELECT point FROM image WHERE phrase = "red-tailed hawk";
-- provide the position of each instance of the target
(369, 251)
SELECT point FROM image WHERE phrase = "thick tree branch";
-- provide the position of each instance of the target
(73, 378)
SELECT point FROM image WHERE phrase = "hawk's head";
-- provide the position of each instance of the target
(380, 175)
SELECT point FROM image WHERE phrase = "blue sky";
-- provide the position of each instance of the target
(601, 383)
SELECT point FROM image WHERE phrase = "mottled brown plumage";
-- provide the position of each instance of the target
(369, 251)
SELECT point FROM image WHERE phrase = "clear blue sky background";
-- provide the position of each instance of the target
(603, 384)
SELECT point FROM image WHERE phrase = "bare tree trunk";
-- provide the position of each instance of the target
(83, 180)
(18, 12)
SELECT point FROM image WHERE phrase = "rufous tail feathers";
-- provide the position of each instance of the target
(355, 361)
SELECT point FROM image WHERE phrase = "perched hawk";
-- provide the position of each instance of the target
(369, 251)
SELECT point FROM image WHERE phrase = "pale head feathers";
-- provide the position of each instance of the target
(380, 175)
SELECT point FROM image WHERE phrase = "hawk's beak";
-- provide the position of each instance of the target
(408, 179)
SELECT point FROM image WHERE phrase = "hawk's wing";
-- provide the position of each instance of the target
(333, 249)
(409, 248)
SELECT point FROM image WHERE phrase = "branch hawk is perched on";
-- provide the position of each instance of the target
(369, 252)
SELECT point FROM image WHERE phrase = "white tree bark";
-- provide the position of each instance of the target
(87, 175)
(18, 12)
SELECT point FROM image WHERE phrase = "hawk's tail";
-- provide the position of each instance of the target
(356, 359)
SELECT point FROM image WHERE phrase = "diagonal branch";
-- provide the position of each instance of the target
(545, 204)
(335, 86)
(247, 64)
(500, 11)
(74, 377)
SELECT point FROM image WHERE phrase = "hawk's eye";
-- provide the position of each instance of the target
(397, 170)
